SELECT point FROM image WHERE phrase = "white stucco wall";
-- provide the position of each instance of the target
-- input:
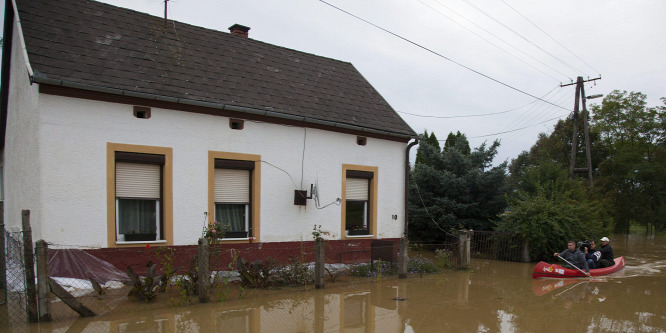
(21, 152)
(71, 169)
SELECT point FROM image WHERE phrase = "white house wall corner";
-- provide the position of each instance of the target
(22, 145)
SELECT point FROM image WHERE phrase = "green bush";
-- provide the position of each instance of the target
(443, 258)
(550, 216)
(294, 274)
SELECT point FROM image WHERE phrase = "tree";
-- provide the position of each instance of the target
(431, 140)
(555, 149)
(554, 212)
(457, 141)
(633, 174)
(451, 190)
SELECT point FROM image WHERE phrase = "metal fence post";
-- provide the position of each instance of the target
(203, 270)
(3, 253)
(43, 300)
(320, 262)
(28, 254)
(402, 260)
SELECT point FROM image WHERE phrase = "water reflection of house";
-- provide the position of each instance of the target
(363, 310)
(120, 132)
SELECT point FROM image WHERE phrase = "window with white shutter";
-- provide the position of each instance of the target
(232, 195)
(138, 185)
(357, 202)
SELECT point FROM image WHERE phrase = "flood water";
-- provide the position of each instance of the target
(493, 296)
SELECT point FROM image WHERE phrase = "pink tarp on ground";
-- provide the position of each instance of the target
(74, 263)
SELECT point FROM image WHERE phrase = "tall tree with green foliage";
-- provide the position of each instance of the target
(633, 176)
(431, 140)
(458, 141)
(555, 148)
(628, 141)
(451, 190)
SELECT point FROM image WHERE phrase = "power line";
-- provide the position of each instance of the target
(512, 136)
(466, 116)
(551, 37)
(490, 33)
(440, 55)
(474, 115)
(533, 114)
(521, 128)
(514, 130)
(521, 36)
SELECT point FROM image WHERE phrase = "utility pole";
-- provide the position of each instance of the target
(580, 96)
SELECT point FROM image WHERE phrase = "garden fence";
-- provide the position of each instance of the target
(497, 245)
(170, 275)
(13, 311)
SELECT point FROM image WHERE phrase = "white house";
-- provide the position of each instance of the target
(117, 132)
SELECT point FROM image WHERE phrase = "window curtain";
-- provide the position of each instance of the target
(234, 215)
(137, 216)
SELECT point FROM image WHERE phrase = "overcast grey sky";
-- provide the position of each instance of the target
(621, 40)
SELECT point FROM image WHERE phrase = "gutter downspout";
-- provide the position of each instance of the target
(409, 147)
(21, 41)
(5, 71)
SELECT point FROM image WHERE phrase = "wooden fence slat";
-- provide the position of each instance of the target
(70, 300)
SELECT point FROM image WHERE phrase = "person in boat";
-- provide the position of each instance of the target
(573, 255)
(606, 250)
(592, 255)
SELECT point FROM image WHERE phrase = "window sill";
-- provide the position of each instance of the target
(142, 242)
(360, 236)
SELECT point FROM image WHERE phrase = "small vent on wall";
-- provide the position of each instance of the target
(141, 112)
(361, 140)
(236, 124)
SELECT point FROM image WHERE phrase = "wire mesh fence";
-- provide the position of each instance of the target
(168, 276)
(445, 253)
(495, 245)
(13, 313)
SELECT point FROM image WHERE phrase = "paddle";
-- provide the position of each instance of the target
(574, 266)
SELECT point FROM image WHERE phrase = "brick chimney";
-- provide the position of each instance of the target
(239, 30)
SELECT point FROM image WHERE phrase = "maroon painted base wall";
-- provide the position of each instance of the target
(221, 255)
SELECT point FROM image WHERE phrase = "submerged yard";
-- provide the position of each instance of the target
(491, 296)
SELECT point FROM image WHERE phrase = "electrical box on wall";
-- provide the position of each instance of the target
(300, 197)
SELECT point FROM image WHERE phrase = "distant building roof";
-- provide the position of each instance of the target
(80, 43)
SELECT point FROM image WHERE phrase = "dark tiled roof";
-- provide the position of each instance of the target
(99, 45)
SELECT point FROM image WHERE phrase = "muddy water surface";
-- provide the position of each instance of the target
(493, 296)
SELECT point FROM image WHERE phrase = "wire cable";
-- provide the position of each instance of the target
(440, 55)
(514, 130)
(551, 37)
(521, 36)
(513, 135)
(492, 34)
(474, 115)
(426, 209)
(277, 167)
(532, 115)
